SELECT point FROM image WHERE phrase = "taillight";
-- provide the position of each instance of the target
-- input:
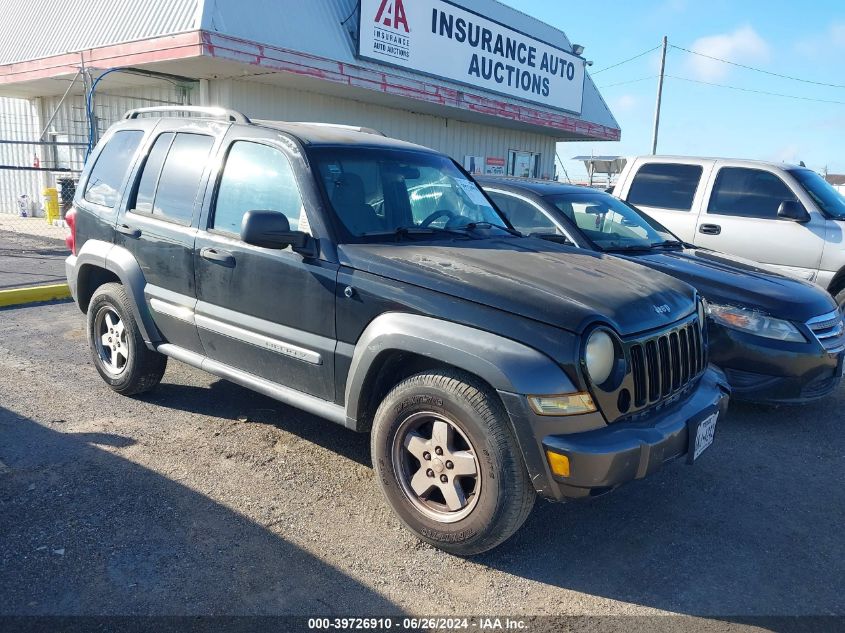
(70, 240)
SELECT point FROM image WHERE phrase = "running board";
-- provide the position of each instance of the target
(311, 404)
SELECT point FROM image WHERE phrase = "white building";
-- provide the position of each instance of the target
(489, 85)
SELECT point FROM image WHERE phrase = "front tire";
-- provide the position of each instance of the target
(117, 347)
(449, 464)
(840, 299)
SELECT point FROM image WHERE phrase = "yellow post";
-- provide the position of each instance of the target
(51, 203)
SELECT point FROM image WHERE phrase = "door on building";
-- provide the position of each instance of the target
(523, 164)
(267, 312)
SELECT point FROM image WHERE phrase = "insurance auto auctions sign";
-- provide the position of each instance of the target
(439, 38)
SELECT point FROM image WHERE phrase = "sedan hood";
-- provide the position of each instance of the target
(725, 279)
(558, 285)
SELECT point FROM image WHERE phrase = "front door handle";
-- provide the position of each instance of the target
(125, 229)
(218, 255)
(710, 229)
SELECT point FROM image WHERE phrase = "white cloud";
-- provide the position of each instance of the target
(787, 154)
(743, 46)
(837, 34)
(821, 44)
(625, 103)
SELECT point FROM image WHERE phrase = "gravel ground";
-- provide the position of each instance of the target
(205, 498)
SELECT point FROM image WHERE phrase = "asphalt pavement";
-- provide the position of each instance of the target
(205, 498)
(31, 260)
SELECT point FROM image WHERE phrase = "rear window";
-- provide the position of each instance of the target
(665, 186)
(171, 176)
(107, 176)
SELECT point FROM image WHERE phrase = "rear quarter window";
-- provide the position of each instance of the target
(110, 170)
(665, 186)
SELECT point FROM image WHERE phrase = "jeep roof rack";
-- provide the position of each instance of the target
(214, 112)
(340, 126)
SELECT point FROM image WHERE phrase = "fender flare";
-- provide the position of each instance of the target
(504, 364)
(122, 263)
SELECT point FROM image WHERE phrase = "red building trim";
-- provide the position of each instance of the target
(215, 45)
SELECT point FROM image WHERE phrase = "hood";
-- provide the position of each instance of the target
(725, 279)
(558, 285)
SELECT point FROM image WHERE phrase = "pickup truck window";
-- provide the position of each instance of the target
(377, 192)
(750, 193)
(103, 186)
(255, 177)
(823, 194)
(665, 186)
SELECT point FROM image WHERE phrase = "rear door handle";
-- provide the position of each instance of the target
(710, 229)
(128, 230)
(217, 255)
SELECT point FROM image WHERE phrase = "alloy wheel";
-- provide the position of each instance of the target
(437, 466)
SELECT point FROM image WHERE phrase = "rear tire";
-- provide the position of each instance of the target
(448, 463)
(117, 347)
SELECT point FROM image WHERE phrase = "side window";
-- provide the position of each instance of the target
(103, 186)
(524, 216)
(180, 177)
(256, 178)
(750, 193)
(145, 195)
(665, 186)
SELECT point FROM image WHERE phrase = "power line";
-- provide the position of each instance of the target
(625, 61)
(762, 92)
(759, 70)
(630, 81)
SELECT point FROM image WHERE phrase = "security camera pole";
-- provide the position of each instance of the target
(659, 96)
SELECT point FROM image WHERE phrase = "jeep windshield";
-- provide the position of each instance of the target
(399, 194)
(610, 224)
(830, 201)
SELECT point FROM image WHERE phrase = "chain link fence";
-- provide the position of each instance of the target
(43, 145)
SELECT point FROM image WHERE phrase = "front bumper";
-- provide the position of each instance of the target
(604, 458)
(775, 372)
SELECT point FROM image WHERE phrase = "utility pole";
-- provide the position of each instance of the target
(659, 96)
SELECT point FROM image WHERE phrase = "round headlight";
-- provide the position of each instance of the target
(702, 313)
(599, 356)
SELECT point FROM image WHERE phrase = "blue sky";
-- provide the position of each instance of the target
(803, 39)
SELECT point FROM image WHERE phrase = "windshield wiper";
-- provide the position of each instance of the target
(489, 225)
(627, 247)
(668, 244)
(406, 231)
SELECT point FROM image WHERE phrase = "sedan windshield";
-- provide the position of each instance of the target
(610, 224)
(830, 201)
(403, 194)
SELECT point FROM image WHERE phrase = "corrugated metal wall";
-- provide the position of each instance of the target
(18, 122)
(21, 120)
(32, 30)
(455, 138)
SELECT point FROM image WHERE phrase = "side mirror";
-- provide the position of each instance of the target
(271, 229)
(793, 211)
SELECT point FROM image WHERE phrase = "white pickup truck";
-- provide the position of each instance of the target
(785, 216)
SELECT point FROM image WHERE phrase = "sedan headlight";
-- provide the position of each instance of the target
(600, 356)
(755, 323)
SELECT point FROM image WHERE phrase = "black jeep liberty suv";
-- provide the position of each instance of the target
(371, 282)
